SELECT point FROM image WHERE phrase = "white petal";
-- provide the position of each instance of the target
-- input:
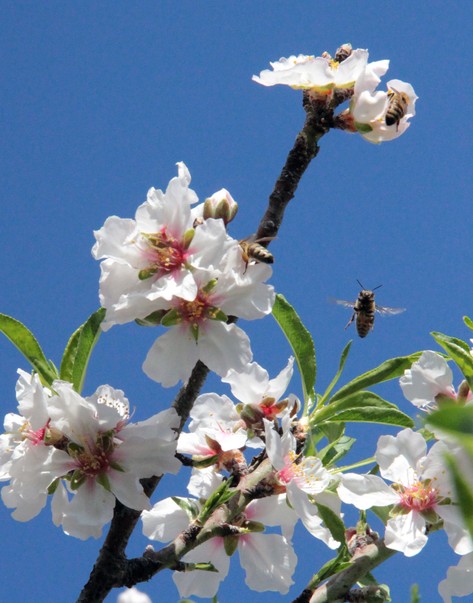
(459, 580)
(398, 456)
(222, 347)
(366, 491)
(165, 521)
(201, 583)
(406, 533)
(269, 562)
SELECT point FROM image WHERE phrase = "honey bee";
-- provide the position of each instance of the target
(253, 250)
(398, 103)
(364, 310)
(343, 53)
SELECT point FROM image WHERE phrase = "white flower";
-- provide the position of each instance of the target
(428, 379)
(381, 116)
(87, 449)
(301, 477)
(268, 559)
(459, 580)
(421, 492)
(321, 74)
(149, 260)
(133, 595)
(198, 328)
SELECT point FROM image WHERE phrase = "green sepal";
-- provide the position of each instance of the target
(103, 480)
(195, 332)
(146, 273)
(78, 350)
(217, 314)
(362, 128)
(171, 318)
(77, 479)
(301, 343)
(152, 320)
(210, 286)
(53, 485)
(230, 544)
(187, 238)
(116, 466)
(208, 461)
(24, 340)
(202, 566)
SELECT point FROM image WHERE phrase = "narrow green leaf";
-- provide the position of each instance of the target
(469, 323)
(459, 352)
(334, 452)
(219, 497)
(455, 420)
(79, 349)
(391, 369)
(330, 568)
(333, 522)
(415, 593)
(464, 494)
(27, 344)
(363, 406)
(334, 381)
(301, 343)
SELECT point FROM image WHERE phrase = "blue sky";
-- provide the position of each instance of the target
(100, 100)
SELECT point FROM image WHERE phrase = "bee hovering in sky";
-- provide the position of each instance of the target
(398, 103)
(253, 250)
(364, 310)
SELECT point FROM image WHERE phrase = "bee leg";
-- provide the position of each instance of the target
(351, 320)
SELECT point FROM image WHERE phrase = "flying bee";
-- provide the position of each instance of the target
(343, 53)
(398, 103)
(364, 310)
(253, 250)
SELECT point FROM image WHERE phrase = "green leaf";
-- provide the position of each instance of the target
(391, 369)
(219, 497)
(331, 454)
(301, 343)
(332, 522)
(25, 341)
(469, 323)
(363, 406)
(459, 352)
(464, 494)
(456, 420)
(334, 381)
(79, 349)
(415, 594)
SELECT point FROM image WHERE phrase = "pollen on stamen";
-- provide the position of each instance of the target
(419, 496)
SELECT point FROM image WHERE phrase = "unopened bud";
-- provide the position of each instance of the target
(221, 205)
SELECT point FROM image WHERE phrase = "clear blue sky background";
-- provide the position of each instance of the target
(100, 100)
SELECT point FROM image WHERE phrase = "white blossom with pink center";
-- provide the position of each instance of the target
(148, 260)
(421, 490)
(87, 449)
(305, 478)
(198, 328)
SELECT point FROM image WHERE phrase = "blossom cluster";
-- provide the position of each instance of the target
(377, 115)
(175, 265)
(83, 451)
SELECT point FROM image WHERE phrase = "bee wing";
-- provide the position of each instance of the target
(385, 311)
(342, 302)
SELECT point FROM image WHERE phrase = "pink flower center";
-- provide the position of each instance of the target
(199, 310)
(164, 253)
(421, 496)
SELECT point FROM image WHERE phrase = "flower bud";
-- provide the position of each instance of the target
(221, 205)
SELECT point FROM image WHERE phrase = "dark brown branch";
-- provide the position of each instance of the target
(112, 568)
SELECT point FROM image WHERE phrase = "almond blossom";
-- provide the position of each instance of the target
(421, 493)
(148, 260)
(381, 116)
(268, 559)
(321, 74)
(430, 381)
(86, 449)
(198, 329)
(301, 477)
